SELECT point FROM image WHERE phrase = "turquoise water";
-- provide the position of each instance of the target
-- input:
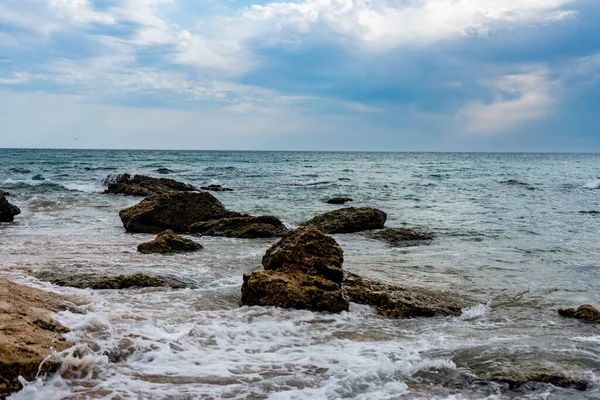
(517, 232)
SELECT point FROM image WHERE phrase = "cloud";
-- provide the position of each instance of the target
(518, 99)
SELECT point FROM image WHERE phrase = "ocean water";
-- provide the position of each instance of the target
(521, 249)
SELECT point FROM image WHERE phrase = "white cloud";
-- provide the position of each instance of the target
(518, 99)
(17, 78)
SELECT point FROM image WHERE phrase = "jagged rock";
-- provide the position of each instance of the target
(348, 220)
(7, 210)
(176, 211)
(339, 200)
(28, 333)
(303, 270)
(141, 185)
(96, 281)
(216, 188)
(4, 193)
(241, 227)
(398, 236)
(169, 242)
(585, 313)
(401, 302)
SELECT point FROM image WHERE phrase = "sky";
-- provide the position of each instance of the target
(392, 75)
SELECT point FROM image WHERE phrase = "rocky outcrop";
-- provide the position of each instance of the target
(349, 220)
(303, 270)
(339, 200)
(247, 227)
(399, 237)
(176, 211)
(401, 302)
(28, 334)
(7, 210)
(4, 193)
(140, 185)
(169, 242)
(585, 313)
(96, 281)
(216, 188)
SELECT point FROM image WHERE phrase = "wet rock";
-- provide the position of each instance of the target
(7, 210)
(401, 302)
(348, 220)
(169, 242)
(4, 193)
(38, 177)
(216, 188)
(141, 185)
(520, 376)
(164, 171)
(247, 227)
(398, 237)
(303, 270)
(96, 281)
(176, 211)
(585, 313)
(514, 182)
(339, 200)
(28, 334)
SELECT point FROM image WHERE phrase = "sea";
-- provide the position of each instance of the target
(517, 233)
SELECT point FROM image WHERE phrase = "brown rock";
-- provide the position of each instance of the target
(521, 375)
(175, 210)
(349, 220)
(28, 334)
(7, 210)
(169, 242)
(585, 313)
(141, 185)
(401, 302)
(96, 281)
(241, 227)
(398, 237)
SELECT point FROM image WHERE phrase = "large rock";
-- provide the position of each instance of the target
(28, 333)
(348, 220)
(585, 313)
(176, 211)
(7, 210)
(97, 281)
(303, 270)
(401, 302)
(169, 242)
(398, 237)
(140, 185)
(247, 227)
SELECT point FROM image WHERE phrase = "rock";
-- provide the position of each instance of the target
(303, 270)
(349, 220)
(96, 281)
(339, 200)
(38, 177)
(169, 242)
(7, 210)
(522, 375)
(141, 185)
(514, 182)
(399, 237)
(4, 193)
(585, 313)
(176, 211)
(247, 227)
(28, 334)
(216, 188)
(401, 302)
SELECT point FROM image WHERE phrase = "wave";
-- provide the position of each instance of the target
(100, 168)
(48, 186)
(593, 185)
(313, 182)
(20, 170)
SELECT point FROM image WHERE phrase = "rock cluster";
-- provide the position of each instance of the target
(169, 242)
(585, 313)
(140, 185)
(7, 210)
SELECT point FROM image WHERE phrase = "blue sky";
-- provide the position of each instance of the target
(404, 75)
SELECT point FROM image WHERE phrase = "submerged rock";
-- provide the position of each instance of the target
(216, 188)
(303, 270)
(398, 236)
(176, 211)
(349, 220)
(522, 375)
(585, 313)
(7, 210)
(169, 242)
(247, 227)
(514, 182)
(401, 302)
(38, 177)
(28, 334)
(141, 185)
(96, 281)
(339, 200)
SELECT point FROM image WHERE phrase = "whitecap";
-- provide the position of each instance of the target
(475, 312)
(593, 185)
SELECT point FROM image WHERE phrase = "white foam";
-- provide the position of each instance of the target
(593, 185)
(475, 312)
(84, 187)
